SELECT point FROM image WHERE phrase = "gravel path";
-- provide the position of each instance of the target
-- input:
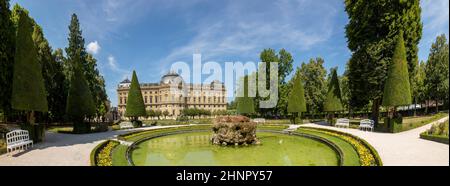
(405, 148)
(63, 149)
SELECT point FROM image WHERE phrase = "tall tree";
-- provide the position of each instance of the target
(135, 103)
(28, 89)
(7, 49)
(267, 56)
(437, 71)
(76, 45)
(371, 32)
(53, 75)
(285, 67)
(96, 84)
(245, 104)
(95, 81)
(80, 104)
(345, 91)
(421, 95)
(333, 101)
(296, 101)
(313, 75)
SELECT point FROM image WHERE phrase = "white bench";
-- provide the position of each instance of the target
(18, 140)
(366, 124)
(342, 122)
(126, 125)
(259, 120)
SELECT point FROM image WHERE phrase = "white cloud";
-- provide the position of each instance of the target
(112, 64)
(93, 47)
(243, 32)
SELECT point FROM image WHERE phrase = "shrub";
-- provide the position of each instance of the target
(100, 127)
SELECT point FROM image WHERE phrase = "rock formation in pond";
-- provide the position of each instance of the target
(234, 130)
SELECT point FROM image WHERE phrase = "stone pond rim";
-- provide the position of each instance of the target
(234, 130)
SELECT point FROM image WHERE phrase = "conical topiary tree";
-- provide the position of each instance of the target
(28, 89)
(245, 104)
(135, 103)
(397, 88)
(333, 101)
(296, 100)
(80, 103)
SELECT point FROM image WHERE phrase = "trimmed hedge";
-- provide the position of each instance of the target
(436, 138)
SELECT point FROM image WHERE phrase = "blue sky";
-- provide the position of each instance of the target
(149, 35)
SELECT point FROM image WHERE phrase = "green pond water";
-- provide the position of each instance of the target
(195, 149)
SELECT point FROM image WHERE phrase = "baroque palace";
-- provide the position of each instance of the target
(158, 96)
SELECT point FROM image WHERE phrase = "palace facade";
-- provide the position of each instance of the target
(159, 96)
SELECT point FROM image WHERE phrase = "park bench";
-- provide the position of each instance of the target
(366, 124)
(342, 122)
(259, 120)
(18, 140)
(126, 125)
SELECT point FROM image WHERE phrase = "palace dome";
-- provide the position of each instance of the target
(170, 77)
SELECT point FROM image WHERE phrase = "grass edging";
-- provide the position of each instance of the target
(436, 138)
(372, 150)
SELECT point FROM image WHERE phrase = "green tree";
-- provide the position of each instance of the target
(345, 91)
(437, 71)
(420, 83)
(7, 49)
(135, 103)
(313, 75)
(95, 81)
(158, 114)
(371, 34)
(53, 75)
(165, 114)
(76, 46)
(28, 89)
(296, 101)
(151, 113)
(80, 104)
(245, 104)
(285, 66)
(397, 87)
(333, 101)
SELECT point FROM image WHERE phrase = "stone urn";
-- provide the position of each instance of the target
(234, 130)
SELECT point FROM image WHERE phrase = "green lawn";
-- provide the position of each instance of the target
(119, 157)
(415, 122)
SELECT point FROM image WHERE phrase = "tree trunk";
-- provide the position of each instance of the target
(30, 118)
(437, 105)
(375, 111)
(415, 105)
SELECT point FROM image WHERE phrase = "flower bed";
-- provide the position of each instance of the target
(367, 154)
(101, 155)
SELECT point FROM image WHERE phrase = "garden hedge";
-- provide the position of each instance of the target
(436, 138)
